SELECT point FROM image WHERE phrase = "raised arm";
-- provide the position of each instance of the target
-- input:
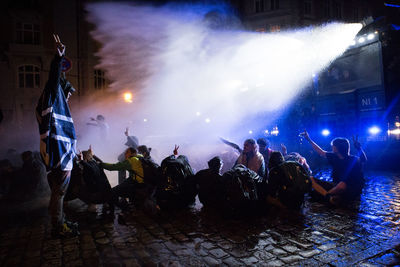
(235, 146)
(316, 148)
(361, 153)
(283, 149)
(55, 67)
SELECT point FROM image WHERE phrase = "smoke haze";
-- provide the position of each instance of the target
(192, 82)
(195, 76)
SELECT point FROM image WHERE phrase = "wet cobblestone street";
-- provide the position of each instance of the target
(367, 235)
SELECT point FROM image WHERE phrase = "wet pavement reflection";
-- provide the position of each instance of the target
(365, 234)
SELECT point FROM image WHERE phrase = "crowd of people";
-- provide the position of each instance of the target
(260, 177)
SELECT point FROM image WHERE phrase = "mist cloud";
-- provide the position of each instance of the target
(192, 82)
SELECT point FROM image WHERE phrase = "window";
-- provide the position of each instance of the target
(28, 33)
(307, 8)
(274, 4)
(99, 80)
(275, 28)
(259, 6)
(28, 76)
(260, 29)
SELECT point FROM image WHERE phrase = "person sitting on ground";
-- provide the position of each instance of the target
(96, 188)
(177, 188)
(347, 173)
(251, 158)
(33, 173)
(133, 186)
(295, 156)
(287, 182)
(209, 183)
(131, 141)
(263, 148)
(145, 152)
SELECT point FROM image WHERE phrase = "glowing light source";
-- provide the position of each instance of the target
(325, 132)
(266, 131)
(374, 130)
(207, 120)
(250, 132)
(198, 113)
(361, 40)
(371, 36)
(128, 97)
(397, 124)
(144, 120)
(395, 131)
(275, 131)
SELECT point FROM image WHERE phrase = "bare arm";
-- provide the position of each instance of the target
(361, 153)
(235, 146)
(283, 149)
(338, 189)
(55, 68)
(316, 147)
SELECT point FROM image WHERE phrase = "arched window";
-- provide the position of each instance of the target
(99, 80)
(28, 76)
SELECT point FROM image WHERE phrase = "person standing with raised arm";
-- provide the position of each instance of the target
(57, 140)
(347, 173)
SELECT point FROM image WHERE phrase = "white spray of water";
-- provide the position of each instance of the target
(191, 83)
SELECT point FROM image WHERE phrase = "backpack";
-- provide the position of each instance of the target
(177, 186)
(293, 182)
(241, 184)
(175, 171)
(151, 171)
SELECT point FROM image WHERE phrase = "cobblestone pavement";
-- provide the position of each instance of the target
(365, 236)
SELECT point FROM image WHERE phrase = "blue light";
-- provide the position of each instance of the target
(374, 130)
(325, 132)
(391, 5)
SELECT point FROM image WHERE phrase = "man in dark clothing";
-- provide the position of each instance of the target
(209, 183)
(93, 185)
(57, 139)
(347, 173)
(145, 152)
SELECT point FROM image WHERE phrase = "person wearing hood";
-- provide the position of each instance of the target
(57, 140)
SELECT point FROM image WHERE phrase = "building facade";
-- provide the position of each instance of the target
(276, 15)
(27, 48)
